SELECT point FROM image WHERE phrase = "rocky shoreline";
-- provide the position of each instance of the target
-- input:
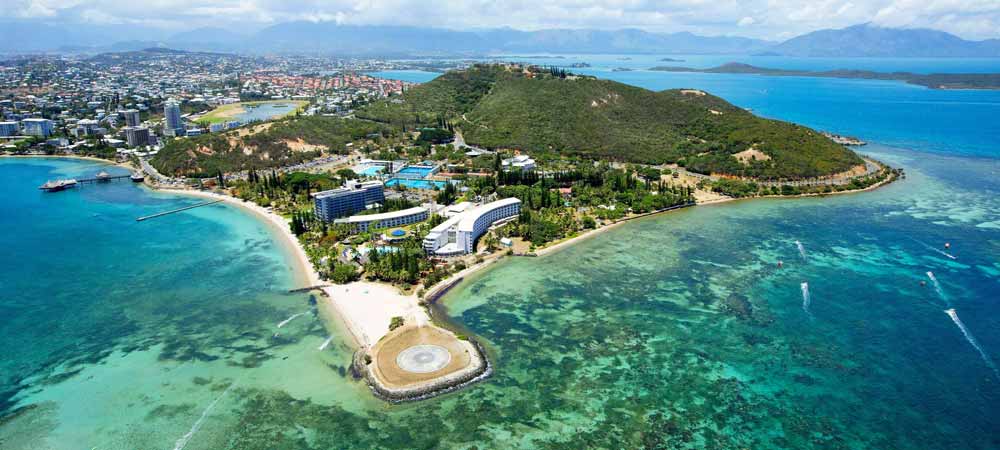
(479, 370)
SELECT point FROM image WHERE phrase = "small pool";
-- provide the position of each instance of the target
(368, 171)
(398, 233)
(419, 171)
(416, 184)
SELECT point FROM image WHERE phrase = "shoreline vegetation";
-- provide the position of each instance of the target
(949, 81)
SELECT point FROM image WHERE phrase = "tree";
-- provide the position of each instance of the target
(491, 241)
(342, 273)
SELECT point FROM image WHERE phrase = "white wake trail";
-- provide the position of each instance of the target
(183, 441)
(802, 249)
(325, 343)
(935, 249)
(806, 300)
(285, 322)
(937, 287)
(972, 340)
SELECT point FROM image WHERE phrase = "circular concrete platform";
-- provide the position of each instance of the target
(423, 358)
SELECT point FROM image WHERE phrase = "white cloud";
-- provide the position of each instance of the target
(759, 18)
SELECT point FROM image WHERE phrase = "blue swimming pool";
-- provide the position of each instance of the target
(369, 171)
(420, 171)
(416, 184)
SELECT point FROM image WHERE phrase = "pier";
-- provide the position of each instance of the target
(100, 179)
(164, 213)
(309, 288)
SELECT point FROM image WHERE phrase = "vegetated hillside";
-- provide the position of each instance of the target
(587, 117)
(271, 144)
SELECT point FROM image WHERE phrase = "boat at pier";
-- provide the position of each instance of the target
(58, 185)
(137, 177)
(103, 176)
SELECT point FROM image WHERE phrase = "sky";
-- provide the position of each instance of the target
(766, 19)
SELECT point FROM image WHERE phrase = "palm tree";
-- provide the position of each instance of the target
(490, 241)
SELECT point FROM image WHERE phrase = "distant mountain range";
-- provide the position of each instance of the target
(872, 41)
(379, 40)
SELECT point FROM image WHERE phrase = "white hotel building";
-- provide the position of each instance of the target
(458, 234)
(385, 220)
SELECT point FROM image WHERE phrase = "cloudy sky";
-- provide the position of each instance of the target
(769, 19)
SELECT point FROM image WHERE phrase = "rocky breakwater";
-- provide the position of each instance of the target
(419, 361)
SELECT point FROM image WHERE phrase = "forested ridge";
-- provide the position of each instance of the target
(548, 111)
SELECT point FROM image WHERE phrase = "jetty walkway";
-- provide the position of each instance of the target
(160, 214)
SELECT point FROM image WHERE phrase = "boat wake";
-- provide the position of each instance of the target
(802, 250)
(937, 287)
(325, 343)
(972, 340)
(936, 250)
(183, 441)
(805, 299)
(285, 322)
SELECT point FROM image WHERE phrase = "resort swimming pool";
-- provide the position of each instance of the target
(416, 184)
(368, 171)
(420, 171)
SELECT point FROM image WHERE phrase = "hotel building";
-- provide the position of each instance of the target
(385, 220)
(132, 117)
(37, 127)
(458, 234)
(137, 136)
(9, 129)
(173, 122)
(353, 197)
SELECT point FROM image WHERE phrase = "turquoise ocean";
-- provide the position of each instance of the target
(677, 331)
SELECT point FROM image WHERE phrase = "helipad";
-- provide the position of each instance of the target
(423, 358)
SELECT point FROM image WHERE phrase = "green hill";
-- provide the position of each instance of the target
(542, 112)
(270, 144)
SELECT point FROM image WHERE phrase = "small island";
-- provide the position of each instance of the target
(985, 81)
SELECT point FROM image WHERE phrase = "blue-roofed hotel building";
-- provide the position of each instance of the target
(353, 197)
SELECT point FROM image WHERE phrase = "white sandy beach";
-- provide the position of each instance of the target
(367, 308)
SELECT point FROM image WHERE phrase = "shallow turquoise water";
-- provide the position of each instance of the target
(119, 334)
(677, 331)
